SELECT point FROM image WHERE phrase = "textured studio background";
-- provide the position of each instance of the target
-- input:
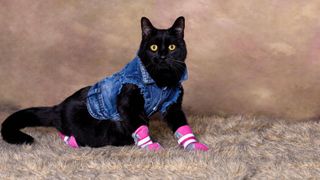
(245, 56)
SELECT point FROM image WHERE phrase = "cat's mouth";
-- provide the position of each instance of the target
(168, 61)
(171, 67)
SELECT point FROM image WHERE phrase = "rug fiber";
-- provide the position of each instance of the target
(241, 147)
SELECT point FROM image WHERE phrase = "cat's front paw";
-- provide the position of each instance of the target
(188, 141)
(197, 147)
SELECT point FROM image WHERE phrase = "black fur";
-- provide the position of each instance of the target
(71, 116)
(164, 67)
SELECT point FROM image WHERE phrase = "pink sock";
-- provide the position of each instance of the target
(142, 139)
(69, 140)
(187, 139)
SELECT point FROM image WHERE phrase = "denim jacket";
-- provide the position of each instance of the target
(102, 96)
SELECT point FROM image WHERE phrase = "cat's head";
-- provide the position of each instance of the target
(163, 52)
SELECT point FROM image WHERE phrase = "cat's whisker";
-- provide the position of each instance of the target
(174, 60)
(179, 66)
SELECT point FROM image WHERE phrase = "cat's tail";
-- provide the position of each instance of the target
(31, 117)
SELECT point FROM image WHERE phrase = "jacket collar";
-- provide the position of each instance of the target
(146, 78)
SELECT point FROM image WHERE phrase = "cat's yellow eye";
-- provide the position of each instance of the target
(172, 47)
(154, 47)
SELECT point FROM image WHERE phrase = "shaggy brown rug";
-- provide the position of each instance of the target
(240, 148)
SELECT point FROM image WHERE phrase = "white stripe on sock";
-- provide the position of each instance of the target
(144, 140)
(185, 144)
(186, 136)
(146, 144)
(66, 139)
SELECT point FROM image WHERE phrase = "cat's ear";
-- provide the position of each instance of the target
(178, 27)
(146, 27)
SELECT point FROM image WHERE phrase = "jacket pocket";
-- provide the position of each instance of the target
(95, 103)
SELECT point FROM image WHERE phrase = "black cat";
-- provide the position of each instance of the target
(116, 110)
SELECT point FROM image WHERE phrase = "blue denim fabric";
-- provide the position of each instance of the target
(102, 96)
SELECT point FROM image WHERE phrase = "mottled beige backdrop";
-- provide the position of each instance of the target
(245, 56)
